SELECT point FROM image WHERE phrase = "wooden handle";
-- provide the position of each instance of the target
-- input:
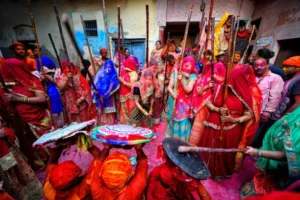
(186, 149)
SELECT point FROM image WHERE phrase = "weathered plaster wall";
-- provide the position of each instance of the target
(177, 10)
(133, 13)
(280, 19)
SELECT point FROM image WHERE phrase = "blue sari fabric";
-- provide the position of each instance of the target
(106, 82)
(53, 92)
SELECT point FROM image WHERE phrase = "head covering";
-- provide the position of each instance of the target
(292, 61)
(190, 163)
(240, 81)
(15, 44)
(64, 175)
(103, 80)
(116, 170)
(130, 64)
(191, 68)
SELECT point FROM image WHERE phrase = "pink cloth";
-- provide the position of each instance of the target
(271, 87)
(82, 159)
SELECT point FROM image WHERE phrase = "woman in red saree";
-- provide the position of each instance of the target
(128, 77)
(232, 120)
(79, 107)
(201, 95)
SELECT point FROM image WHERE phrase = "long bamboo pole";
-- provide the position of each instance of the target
(106, 28)
(182, 55)
(35, 36)
(54, 48)
(88, 45)
(212, 48)
(119, 35)
(229, 67)
(235, 37)
(147, 36)
(165, 75)
(187, 149)
(122, 33)
(245, 52)
(211, 7)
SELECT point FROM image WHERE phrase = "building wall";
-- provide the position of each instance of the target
(280, 19)
(133, 14)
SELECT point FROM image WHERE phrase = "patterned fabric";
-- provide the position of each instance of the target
(23, 186)
(86, 110)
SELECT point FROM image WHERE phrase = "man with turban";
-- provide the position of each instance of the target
(290, 96)
(114, 178)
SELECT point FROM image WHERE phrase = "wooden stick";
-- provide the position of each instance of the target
(106, 28)
(88, 44)
(54, 48)
(147, 35)
(212, 47)
(182, 54)
(186, 149)
(119, 32)
(245, 52)
(72, 37)
(35, 36)
(165, 75)
(201, 27)
(211, 7)
(235, 36)
(122, 33)
(229, 66)
(65, 48)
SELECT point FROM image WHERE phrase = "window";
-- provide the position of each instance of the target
(91, 28)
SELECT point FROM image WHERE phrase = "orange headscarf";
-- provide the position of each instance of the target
(292, 61)
(116, 170)
(64, 175)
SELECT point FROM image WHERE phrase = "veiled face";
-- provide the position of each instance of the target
(260, 67)
(108, 68)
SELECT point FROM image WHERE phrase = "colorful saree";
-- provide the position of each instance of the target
(53, 93)
(274, 174)
(199, 102)
(107, 83)
(19, 180)
(238, 102)
(86, 110)
(129, 75)
(179, 125)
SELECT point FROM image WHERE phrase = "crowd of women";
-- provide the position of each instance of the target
(252, 106)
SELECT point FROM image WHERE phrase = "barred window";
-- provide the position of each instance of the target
(91, 28)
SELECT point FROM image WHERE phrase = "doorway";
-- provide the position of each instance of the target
(287, 48)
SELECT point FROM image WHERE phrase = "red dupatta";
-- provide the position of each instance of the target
(22, 83)
(219, 77)
(256, 98)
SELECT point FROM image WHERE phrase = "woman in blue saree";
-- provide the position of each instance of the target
(107, 83)
(53, 93)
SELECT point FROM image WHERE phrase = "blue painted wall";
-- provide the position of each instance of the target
(96, 42)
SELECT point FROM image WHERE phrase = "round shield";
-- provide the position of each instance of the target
(190, 163)
(122, 134)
